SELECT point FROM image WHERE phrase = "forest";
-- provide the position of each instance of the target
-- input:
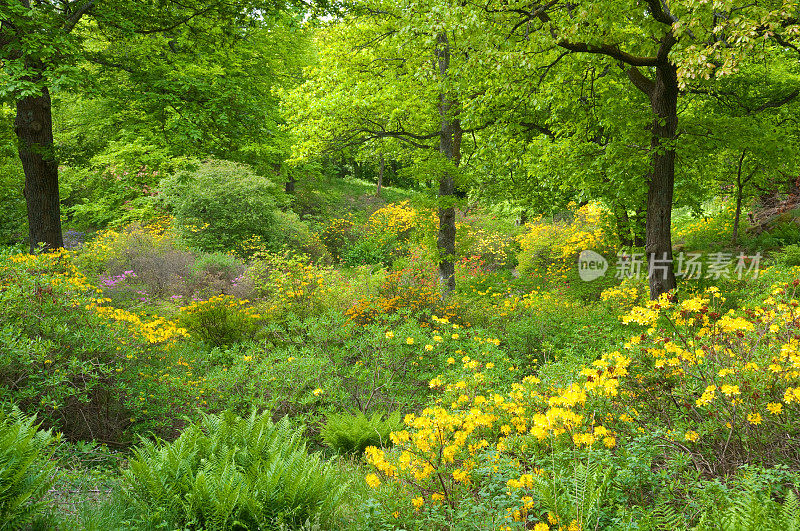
(400, 265)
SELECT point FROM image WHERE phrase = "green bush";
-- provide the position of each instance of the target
(26, 472)
(228, 472)
(371, 251)
(789, 256)
(351, 434)
(58, 356)
(221, 204)
(220, 321)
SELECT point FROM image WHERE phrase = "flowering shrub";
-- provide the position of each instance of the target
(150, 252)
(718, 388)
(58, 358)
(337, 235)
(406, 290)
(221, 320)
(726, 385)
(481, 251)
(290, 284)
(550, 249)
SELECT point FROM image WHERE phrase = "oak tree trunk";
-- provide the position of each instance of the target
(34, 129)
(658, 238)
(450, 147)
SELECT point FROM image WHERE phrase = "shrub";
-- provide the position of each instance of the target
(351, 434)
(26, 472)
(220, 321)
(337, 235)
(221, 204)
(405, 290)
(114, 195)
(291, 283)
(150, 254)
(76, 362)
(228, 472)
(790, 255)
(57, 355)
(550, 250)
(219, 274)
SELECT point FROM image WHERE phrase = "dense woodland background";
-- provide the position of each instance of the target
(317, 266)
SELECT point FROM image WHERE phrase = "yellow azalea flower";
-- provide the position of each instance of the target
(373, 480)
(410, 340)
(775, 408)
(428, 348)
(418, 502)
(389, 334)
(454, 336)
(730, 390)
(317, 391)
(451, 361)
(691, 435)
(541, 526)
(754, 418)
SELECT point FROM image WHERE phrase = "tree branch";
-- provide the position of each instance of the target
(610, 51)
(640, 81)
(73, 18)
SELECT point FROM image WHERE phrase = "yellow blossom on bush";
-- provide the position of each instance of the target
(373, 480)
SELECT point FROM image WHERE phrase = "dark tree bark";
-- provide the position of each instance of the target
(638, 226)
(34, 129)
(450, 134)
(658, 239)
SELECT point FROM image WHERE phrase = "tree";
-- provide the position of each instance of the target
(40, 45)
(393, 77)
(649, 44)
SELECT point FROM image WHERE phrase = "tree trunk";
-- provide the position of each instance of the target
(34, 129)
(658, 243)
(450, 146)
(380, 176)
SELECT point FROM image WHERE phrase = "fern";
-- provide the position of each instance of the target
(26, 472)
(753, 511)
(576, 496)
(667, 518)
(228, 472)
(352, 434)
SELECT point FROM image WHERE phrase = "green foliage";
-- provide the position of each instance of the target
(110, 196)
(228, 472)
(789, 255)
(13, 214)
(347, 433)
(58, 358)
(753, 510)
(370, 251)
(26, 472)
(221, 204)
(220, 321)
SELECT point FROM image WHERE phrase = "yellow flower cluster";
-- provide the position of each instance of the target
(157, 330)
(736, 371)
(394, 218)
(549, 249)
